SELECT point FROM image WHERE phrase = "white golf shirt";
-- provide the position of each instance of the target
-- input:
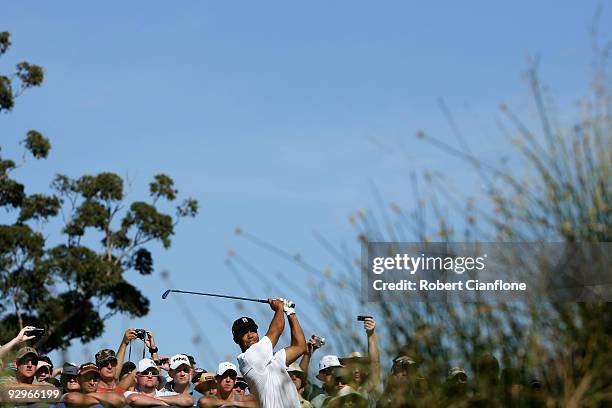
(266, 374)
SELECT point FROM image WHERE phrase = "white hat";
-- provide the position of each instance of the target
(41, 364)
(329, 361)
(294, 367)
(225, 366)
(145, 364)
(177, 360)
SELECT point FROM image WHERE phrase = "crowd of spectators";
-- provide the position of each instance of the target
(355, 380)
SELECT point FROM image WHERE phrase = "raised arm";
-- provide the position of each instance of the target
(277, 325)
(305, 362)
(370, 325)
(150, 343)
(129, 335)
(20, 338)
(298, 341)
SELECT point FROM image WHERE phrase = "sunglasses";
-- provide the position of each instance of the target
(341, 380)
(24, 361)
(149, 373)
(185, 370)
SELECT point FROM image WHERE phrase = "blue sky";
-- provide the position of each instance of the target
(277, 116)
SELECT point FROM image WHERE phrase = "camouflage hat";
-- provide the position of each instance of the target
(104, 356)
(24, 351)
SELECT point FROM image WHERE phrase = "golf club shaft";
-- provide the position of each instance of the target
(214, 295)
(167, 292)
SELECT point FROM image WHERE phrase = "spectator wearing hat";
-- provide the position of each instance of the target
(88, 378)
(206, 384)
(298, 376)
(180, 371)
(226, 395)
(402, 383)
(26, 362)
(456, 386)
(106, 361)
(43, 370)
(264, 370)
(53, 372)
(327, 365)
(241, 386)
(365, 370)
(69, 378)
(146, 392)
(345, 395)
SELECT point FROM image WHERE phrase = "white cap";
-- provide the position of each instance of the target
(329, 361)
(41, 364)
(224, 366)
(177, 360)
(294, 367)
(145, 364)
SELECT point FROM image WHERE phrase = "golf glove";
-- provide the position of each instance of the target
(288, 307)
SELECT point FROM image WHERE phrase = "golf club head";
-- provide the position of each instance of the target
(165, 294)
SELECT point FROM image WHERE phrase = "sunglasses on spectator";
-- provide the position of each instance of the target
(43, 370)
(149, 373)
(341, 380)
(88, 378)
(23, 361)
(113, 363)
(185, 369)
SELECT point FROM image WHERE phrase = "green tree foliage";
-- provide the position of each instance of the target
(70, 287)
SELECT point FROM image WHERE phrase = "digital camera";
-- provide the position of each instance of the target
(140, 333)
(317, 341)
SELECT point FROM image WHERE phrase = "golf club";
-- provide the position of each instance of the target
(167, 292)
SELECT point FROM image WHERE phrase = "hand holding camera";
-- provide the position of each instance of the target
(315, 342)
(369, 324)
(129, 335)
(28, 333)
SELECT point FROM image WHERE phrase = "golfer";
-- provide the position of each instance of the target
(264, 371)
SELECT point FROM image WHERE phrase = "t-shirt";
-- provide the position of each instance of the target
(317, 402)
(158, 393)
(11, 379)
(117, 389)
(266, 374)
